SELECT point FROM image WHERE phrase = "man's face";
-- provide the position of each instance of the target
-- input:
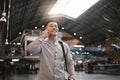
(52, 28)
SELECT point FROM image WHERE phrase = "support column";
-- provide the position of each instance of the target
(2, 37)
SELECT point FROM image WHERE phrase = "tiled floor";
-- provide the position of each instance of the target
(79, 76)
(85, 76)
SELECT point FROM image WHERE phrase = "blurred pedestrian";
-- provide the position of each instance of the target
(3, 70)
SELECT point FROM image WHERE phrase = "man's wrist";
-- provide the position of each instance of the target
(41, 38)
(70, 78)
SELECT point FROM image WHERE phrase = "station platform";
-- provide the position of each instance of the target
(79, 76)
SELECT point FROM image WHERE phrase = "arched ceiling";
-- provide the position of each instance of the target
(98, 23)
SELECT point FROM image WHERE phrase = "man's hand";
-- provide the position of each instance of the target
(45, 33)
(71, 79)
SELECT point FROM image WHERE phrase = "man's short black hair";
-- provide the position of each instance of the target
(49, 20)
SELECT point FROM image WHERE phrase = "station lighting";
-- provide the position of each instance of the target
(11, 63)
(15, 60)
(74, 34)
(79, 61)
(99, 46)
(115, 45)
(36, 27)
(110, 31)
(63, 28)
(82, 46)
(72, 8)
(1, 60)
(18, 43)
(76, 52)
(43, 26)
(6, 41)
(20, 33)
(3, 18)
(80, 49)
(80, 37)
(14, 43)
(106, 19)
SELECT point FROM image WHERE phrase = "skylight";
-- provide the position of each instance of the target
(72, 8)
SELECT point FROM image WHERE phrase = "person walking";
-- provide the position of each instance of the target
(52, 62)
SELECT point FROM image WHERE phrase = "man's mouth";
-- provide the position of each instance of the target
(54, 31)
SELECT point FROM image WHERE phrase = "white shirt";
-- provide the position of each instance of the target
(52, 63)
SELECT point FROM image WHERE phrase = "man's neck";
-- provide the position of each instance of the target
(52, 38)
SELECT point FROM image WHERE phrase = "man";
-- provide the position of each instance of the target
(52, 63)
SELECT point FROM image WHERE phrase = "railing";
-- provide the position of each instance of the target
(107, 68)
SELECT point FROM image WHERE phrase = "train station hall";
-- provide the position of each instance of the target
(59, 39)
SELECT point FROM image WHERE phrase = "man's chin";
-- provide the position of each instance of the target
(54, 34)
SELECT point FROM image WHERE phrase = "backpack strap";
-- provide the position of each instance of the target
(61, 43)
